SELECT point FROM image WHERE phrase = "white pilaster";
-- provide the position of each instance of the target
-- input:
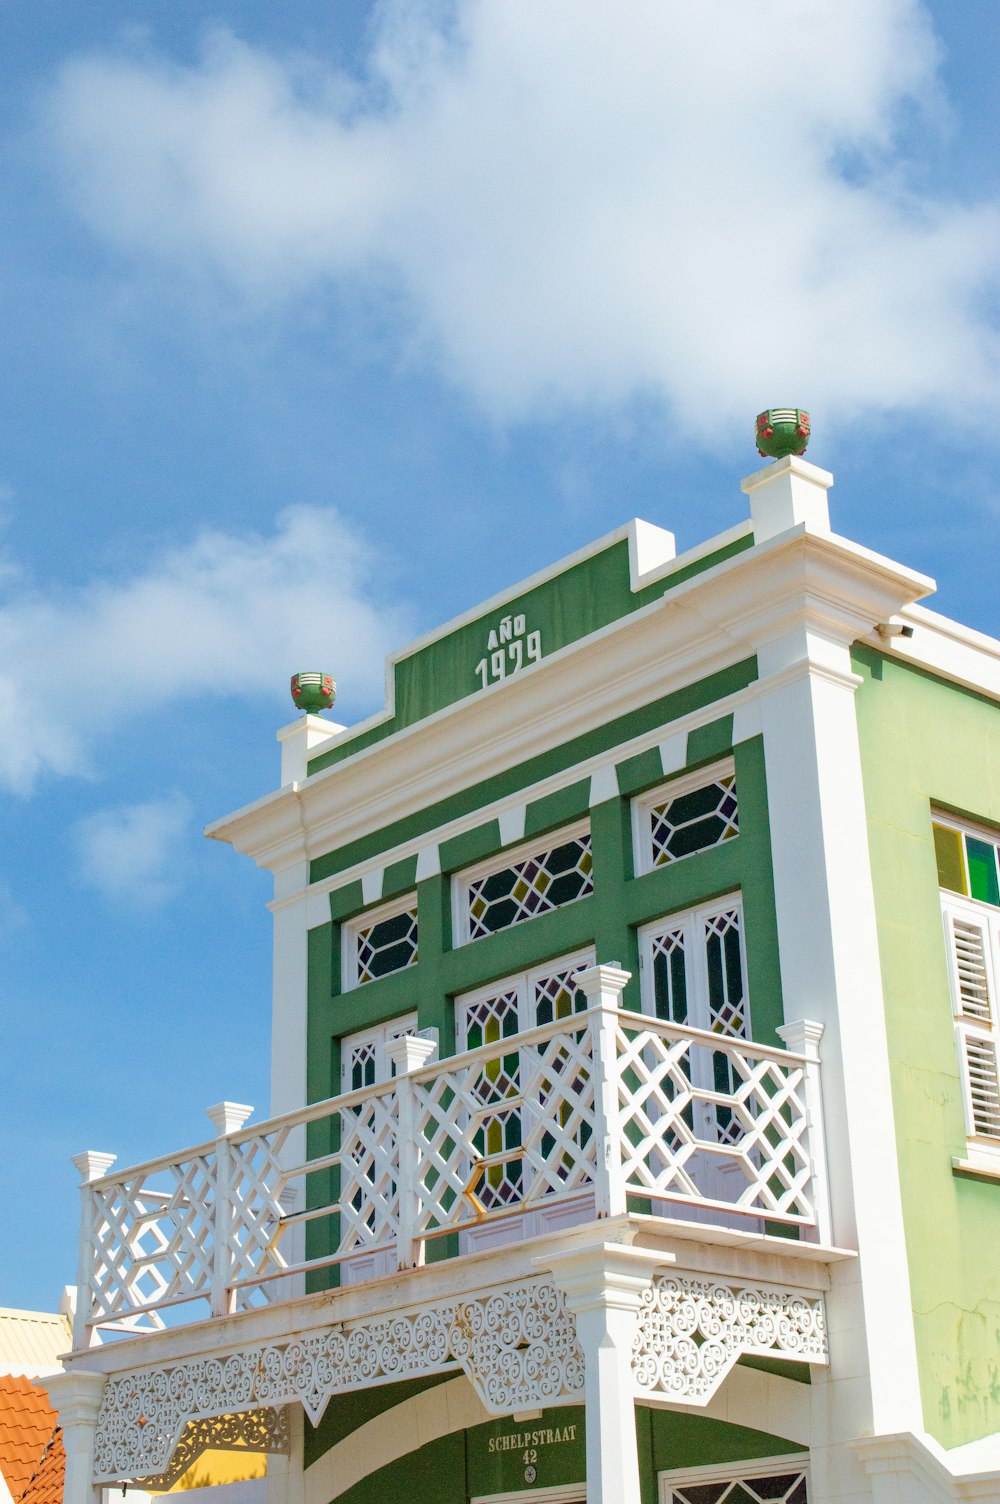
(76, 1395)
(290, 991)
(830, 972)
(603, 1285)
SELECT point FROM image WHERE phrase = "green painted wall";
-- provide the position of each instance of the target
(521, 776)
(462, 1465)
(608, 920)
(925, 741)
(581, 600)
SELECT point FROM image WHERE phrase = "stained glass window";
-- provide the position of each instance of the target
(688, 815)
(548, 878)
(785, 1487)
(694, 973)
(380, 944)
(489, 1016)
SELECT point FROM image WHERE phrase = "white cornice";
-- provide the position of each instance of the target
(800, 581)
(946, 648)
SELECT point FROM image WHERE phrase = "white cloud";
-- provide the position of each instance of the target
(134, 853)
(582, 201)
(226, 616)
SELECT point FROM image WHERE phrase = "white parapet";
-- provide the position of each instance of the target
(298, 739)
(786, 493)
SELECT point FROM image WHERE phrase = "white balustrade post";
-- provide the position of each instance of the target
(802, 1036)
(91, 1165)
(604, 1285)
(227, 1118)
(76, 1395)
(603, 987)
(408, 1053)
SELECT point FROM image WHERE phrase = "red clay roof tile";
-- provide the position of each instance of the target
(28, 1446)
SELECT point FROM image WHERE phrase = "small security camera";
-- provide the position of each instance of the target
(887, 629)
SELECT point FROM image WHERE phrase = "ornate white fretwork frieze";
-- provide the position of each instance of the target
(251, 1431)
(519, 1348)
(691, 1332)
(517, 1345)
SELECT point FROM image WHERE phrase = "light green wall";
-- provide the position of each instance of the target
(925, 741)
(460, 1465)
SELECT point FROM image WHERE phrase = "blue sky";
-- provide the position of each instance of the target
(321, 323)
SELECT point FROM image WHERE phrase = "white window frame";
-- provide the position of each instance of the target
(968, 1027)
(732, 1472)
(349, 930)
(461, 881)
(644, 804)
(698, 973)
(379, 1035)
(521, 983)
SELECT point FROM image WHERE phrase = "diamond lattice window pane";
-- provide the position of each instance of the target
(537, 884)
(388, 945)
(694, 821)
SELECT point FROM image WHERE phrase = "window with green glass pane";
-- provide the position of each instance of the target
(967, 863)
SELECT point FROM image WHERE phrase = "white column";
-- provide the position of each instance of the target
(285, 1481)
(408, 1053)
(603, 986)
(76, 1395)
(603, 1285)
(226, 1118)
(92, 1164)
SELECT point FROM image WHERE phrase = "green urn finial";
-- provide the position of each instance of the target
(782, 431)
(313, 692)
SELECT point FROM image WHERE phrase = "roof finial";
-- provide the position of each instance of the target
(313, 691)
(782, 431)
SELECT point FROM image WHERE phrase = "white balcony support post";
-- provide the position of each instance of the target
(76, 1395)
(802, 1036)
(91, 1165)
(603, 986)
(408, 1053)
(227, 1117)
(285, 1481)
(604, 1285)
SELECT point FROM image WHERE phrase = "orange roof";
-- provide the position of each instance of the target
(31, 1451)
(46, 1487)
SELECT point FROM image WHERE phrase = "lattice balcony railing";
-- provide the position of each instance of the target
(609, 1108)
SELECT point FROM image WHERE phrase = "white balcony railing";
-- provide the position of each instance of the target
(613, 1109)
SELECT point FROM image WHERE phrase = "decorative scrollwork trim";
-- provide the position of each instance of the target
(251, 1431)
(517, 1345)
(690, 1334)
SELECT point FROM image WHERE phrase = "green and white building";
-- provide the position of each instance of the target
(635, 1121)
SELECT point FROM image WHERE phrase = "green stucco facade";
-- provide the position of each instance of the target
(486, 1460)
(927, 743)
(572, 604)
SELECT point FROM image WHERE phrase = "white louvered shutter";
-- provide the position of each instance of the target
(971, 950)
